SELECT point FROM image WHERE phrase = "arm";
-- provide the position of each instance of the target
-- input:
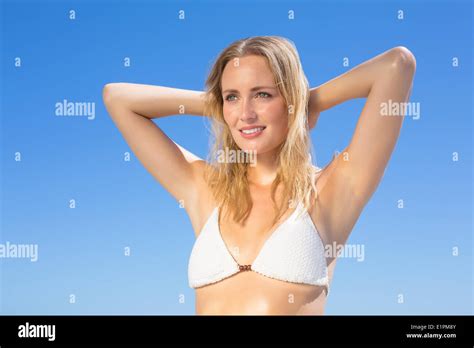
(155, 101)
(356, 83)
(132, 107)
(356, 174)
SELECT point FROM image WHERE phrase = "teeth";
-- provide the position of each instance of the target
(251, 131)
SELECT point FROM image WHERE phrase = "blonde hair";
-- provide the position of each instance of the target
(228, 181)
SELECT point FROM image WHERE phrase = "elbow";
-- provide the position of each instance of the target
(403, 59)
(107, 92)
(112, 92)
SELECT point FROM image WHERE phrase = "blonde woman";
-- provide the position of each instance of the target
(264, 225)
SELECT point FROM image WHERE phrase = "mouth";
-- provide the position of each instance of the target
(253, 132)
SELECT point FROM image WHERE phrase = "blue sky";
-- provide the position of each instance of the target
(408, 251)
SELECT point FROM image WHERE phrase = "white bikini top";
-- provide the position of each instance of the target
(294, 253)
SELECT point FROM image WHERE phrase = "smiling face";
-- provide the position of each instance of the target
(253, 108)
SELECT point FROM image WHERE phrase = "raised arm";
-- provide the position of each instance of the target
(132, 108)
(357, 171)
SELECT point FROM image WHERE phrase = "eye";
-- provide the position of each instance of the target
(264, 93)
(230, 95)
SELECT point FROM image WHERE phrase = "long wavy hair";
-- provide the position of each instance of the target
(228, 179)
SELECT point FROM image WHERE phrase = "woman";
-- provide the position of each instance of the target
(264, 225)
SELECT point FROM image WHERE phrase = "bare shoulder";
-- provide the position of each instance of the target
(200, 207)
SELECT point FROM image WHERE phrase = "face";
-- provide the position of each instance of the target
(254, 110)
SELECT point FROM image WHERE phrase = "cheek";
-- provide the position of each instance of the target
(229, 115)
(278, 117)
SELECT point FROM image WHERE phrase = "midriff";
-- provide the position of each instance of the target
(249, 293)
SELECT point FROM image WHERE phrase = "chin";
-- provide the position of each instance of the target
(260, 145)
(257, 148)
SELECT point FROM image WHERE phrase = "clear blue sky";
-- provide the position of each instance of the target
(408, 251)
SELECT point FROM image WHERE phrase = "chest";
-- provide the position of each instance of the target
(245, 241)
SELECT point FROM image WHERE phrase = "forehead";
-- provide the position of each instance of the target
(247, 72)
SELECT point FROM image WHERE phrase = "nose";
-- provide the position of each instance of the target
(248, 112)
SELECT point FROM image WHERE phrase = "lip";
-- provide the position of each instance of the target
(253, 135)
(252, 127)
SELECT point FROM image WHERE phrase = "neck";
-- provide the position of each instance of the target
(264, 171)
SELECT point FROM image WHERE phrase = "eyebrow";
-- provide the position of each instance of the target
(253, 89)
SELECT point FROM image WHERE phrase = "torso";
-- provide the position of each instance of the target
(250, 292)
